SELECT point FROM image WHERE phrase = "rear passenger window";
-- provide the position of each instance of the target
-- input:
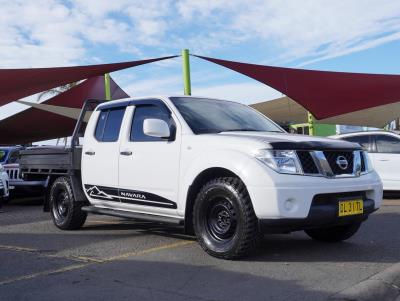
(109, 125)
(364, 140)
(144, 112)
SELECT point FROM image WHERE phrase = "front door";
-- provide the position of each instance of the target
(100, 156)
(149, 166)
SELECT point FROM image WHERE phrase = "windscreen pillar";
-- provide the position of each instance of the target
(186, 72)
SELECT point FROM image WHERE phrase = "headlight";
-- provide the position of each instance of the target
(282, 161)
(369, 167)
(2, 168)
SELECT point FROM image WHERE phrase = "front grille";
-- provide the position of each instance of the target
(332, 163)
(332, 158)
(307, 162)
(13, 173)
(363, 168)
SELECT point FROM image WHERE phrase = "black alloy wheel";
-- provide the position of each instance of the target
(221, 219)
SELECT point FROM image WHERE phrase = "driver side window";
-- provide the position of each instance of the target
(145, 112)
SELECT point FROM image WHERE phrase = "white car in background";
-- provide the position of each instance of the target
(384, 150)
(3, 183)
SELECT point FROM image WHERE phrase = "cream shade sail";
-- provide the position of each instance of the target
(285, 110)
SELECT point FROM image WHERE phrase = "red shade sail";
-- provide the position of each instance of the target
(324, 94)
(36, 125)
(19, 83)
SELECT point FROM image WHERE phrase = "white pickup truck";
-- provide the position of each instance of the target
(221, 169)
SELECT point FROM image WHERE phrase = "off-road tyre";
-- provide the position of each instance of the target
(65, 211)
(224, 220)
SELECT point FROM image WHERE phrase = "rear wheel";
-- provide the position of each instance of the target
(65, 211)
(334, 234)
(224, 220)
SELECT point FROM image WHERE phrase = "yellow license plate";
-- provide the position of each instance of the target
(351, 207)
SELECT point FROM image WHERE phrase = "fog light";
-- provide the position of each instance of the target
(290, 205)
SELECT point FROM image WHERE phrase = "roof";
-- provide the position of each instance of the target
(10, 147)
(389, 133)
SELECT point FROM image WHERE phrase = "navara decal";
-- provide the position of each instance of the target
(128, 196)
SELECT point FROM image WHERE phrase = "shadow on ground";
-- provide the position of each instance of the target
(149, 280)
(366, 246)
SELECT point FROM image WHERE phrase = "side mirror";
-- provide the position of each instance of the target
(156, 128)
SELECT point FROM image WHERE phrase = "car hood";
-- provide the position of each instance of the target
(294, 141)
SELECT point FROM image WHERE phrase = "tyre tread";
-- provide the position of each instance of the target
(78, 217)
(251, 236)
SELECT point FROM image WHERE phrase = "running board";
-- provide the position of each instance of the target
(133, 215)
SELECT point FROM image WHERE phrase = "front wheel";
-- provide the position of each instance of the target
(224, 220)
(65, 211)
(335, 233)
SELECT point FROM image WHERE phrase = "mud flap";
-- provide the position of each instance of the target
(76, 183)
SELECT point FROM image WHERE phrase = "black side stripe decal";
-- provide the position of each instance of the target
(128, 196)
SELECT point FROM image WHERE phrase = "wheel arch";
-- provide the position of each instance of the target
(76, 184)
(202, 178)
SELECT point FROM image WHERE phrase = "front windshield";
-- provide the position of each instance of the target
(214, 116)
(3, 155)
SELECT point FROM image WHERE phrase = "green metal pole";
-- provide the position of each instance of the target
(186, 72)
(107, 86)
(310, 124)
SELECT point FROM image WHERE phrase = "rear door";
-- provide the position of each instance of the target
(149, 166)
(100, 157)
(386, 159)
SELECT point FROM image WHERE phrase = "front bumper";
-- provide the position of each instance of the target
(323, 213)
(291, 196)
(20, 186)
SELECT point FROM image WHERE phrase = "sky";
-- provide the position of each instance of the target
(352, 35)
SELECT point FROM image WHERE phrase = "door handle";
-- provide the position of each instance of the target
(126, 153)
(90, 153)
(383, 160)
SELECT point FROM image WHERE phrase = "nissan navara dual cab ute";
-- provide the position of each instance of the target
(220, 168)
